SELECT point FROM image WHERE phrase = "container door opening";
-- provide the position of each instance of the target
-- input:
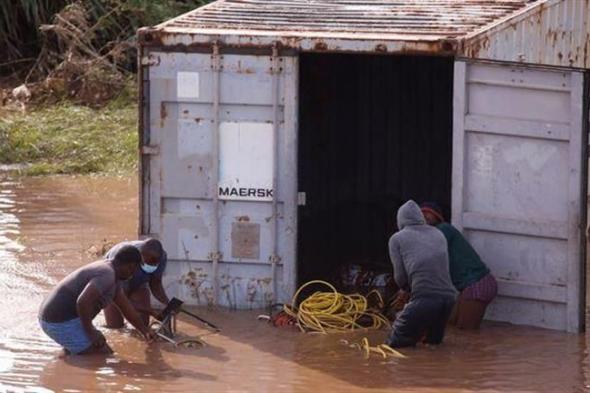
(374, 131)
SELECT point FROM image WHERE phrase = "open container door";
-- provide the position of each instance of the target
(519, 185)
(219, 185)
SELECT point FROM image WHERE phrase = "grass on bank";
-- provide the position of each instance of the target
(69, 139)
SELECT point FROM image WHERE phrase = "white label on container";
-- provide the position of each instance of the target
(187, 84)
(246, 161)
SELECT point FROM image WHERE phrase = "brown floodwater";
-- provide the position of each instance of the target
(49, 226)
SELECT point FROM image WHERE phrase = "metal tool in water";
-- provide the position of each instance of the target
(167, 323)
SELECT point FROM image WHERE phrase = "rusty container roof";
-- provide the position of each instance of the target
(386, 19)
(548, 32)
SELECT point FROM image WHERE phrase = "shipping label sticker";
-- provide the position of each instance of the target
(246, 161)
(187, 84)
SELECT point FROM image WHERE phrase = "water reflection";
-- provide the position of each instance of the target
(47, 226)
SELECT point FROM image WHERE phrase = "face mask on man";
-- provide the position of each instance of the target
(149, 269)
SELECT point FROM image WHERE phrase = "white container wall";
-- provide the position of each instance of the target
(220, 137)
(221, 173)
(518, 184)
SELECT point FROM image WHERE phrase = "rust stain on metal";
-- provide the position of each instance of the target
(443, 48)
(143, 132)
(490, 29)
(543, 33)
(381, 48)
(245, 240)
(317, 25)
(320, 46)
(585, 50)
(448, 46)
(443, 18)
(163, 114)
(244, 70)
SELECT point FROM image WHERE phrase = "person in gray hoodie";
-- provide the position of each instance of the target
(421, 268)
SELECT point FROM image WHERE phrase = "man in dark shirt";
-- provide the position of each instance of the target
(470, 275)
(66, 314)
(145, 281)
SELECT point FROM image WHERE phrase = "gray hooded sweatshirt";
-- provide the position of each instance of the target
(419, 255)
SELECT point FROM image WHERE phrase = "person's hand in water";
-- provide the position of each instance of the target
(149, 335)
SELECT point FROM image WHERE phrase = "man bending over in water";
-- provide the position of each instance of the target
(470, 276)
(146, 280)
(66, 314)
(421, 267)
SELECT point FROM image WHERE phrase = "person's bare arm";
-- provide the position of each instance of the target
(158, 289)
(86, 304)
(131, 315)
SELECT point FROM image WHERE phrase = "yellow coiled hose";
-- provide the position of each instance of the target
(333, 312)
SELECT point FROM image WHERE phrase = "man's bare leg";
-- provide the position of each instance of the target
(470, 314)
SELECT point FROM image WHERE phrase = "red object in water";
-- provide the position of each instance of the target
(282, 319)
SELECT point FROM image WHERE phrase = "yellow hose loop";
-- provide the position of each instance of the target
(387, 349)
(332, 312)
(383, 349)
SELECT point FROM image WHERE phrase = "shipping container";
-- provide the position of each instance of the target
(278, 139)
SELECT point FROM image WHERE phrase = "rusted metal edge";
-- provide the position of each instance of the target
(516, 16)
(584, 212)
(216, 67)
(202, 40)
(232, 12)
(471, 43)
(537, 66)
(276, 70)
(223, 50)
(141, 228)
(150, 150)
(181, 16)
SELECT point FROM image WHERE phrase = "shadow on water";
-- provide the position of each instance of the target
(499, 358)
(107, 369)
(48, 226)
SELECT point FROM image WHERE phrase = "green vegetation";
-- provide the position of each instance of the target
(68, 138)
(111, 21)
(74, 56)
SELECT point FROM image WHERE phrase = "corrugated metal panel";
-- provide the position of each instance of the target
(215, 220)
(440, 18)
(519, 146)
(554, 33)
(382, 26)
(547, 32)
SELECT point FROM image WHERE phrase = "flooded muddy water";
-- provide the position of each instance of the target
(50, 226)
